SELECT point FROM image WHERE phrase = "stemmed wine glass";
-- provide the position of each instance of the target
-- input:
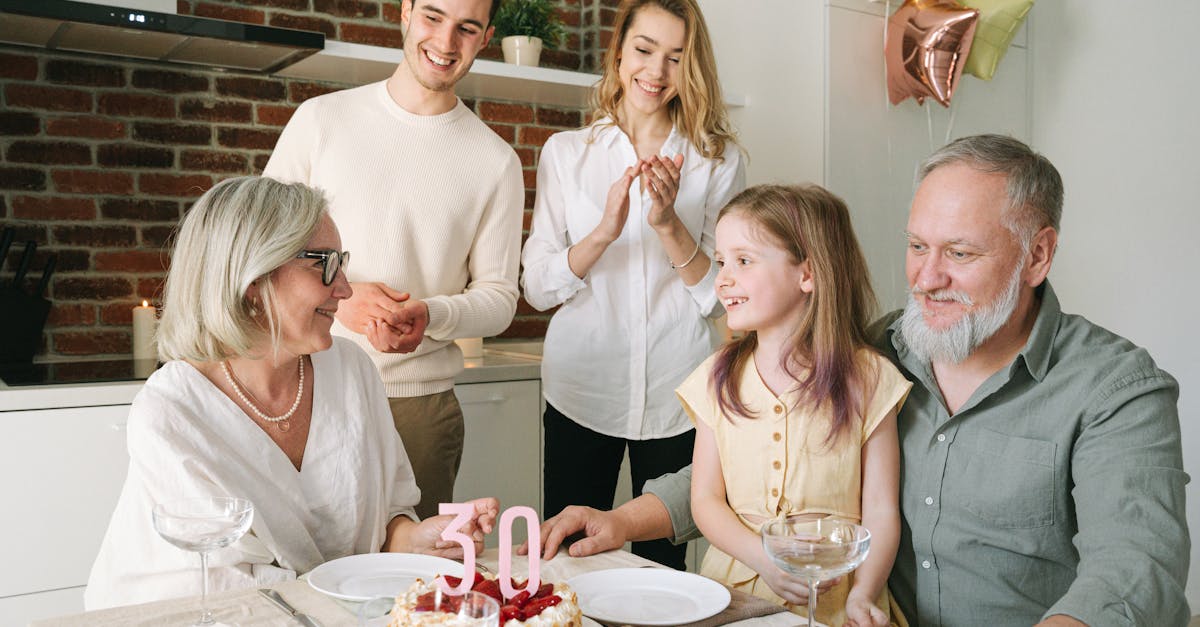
(815, 548)
(203, 525)
(474, 609)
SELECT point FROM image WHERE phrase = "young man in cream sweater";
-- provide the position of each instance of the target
(430, 201)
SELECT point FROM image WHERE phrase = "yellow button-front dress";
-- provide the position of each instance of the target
(778, 464)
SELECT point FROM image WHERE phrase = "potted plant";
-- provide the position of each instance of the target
(524, 27)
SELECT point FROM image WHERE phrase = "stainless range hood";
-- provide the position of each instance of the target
(138, 34)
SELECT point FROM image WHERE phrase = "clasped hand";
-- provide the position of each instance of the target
(388, 318)
(661, 179)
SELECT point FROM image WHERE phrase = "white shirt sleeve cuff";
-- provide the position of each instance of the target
(705, 294)
(560, 280)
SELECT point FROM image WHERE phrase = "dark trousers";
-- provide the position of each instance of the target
(582, 466)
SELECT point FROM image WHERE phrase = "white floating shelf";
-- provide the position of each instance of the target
(358, 64)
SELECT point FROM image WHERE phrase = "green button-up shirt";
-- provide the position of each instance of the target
(1058, 488)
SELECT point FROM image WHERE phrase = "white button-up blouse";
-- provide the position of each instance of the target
(629, 332)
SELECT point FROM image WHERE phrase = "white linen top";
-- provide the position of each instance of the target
(627, 334)
(187, 439)
(431, 205)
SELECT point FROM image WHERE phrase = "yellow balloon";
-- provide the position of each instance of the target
(997, 25)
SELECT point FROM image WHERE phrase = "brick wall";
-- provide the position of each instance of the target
(100, 157)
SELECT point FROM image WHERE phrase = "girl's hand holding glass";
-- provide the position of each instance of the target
(789, 587)
(862, 612)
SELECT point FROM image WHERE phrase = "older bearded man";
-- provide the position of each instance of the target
(1042, 469)
(1042, 473)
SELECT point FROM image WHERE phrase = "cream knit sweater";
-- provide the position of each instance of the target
(430, 205)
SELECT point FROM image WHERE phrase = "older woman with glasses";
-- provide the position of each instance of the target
(258, 400)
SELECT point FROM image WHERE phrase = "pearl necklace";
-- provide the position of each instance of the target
(281, 421)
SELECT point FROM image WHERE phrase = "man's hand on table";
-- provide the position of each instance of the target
(604, 531)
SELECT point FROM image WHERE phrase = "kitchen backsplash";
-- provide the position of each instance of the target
(100, 157)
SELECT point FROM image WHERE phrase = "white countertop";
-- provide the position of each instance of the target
(501, 361)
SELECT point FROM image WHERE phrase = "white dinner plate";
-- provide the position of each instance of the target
(648, 596)
(364, 577)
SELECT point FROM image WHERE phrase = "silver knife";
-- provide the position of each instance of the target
(277, 599)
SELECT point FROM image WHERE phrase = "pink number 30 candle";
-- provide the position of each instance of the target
(464, 515)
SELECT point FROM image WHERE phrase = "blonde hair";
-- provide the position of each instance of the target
(698, 109)
(812, 225)
(237, 233)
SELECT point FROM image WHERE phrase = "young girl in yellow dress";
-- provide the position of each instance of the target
(799, 415)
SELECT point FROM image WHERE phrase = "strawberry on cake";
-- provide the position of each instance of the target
(553, 605)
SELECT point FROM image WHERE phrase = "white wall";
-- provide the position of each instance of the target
(816, 111)
(1115, 102)
(872, 147)
(770, 52)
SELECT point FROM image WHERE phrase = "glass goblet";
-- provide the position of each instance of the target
(473, 609)
(202, 525)
(815, 548)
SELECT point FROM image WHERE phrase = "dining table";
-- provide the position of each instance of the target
(248, 608)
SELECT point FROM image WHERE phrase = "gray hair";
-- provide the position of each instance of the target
(237, 233)
(1035, 189)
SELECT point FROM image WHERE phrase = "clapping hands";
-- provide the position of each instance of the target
(660, 177)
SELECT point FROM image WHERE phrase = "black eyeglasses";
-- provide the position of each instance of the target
(331, 262)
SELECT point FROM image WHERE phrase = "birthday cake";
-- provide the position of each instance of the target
(553, 605)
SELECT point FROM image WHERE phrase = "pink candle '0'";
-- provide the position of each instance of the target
(535, 550)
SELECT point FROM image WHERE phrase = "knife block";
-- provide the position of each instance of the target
(22, 319)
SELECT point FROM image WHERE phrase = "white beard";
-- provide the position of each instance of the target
(956, 343)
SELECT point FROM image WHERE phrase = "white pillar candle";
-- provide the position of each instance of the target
(472, 347)
(144, 322)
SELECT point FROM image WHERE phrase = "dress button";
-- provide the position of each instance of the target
(925, 564)
(929, 500)
(776, 465)
(941, 437)
(777, 436)
(774, 491)
(779, 409)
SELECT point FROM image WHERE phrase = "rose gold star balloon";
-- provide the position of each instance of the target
(926, 48)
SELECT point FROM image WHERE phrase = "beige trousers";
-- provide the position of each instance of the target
(431, 428)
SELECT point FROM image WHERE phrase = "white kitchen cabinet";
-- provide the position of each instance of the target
(61, 471)
(502, 454)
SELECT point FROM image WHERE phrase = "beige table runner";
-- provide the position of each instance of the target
(246, 608)
(250, 609)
